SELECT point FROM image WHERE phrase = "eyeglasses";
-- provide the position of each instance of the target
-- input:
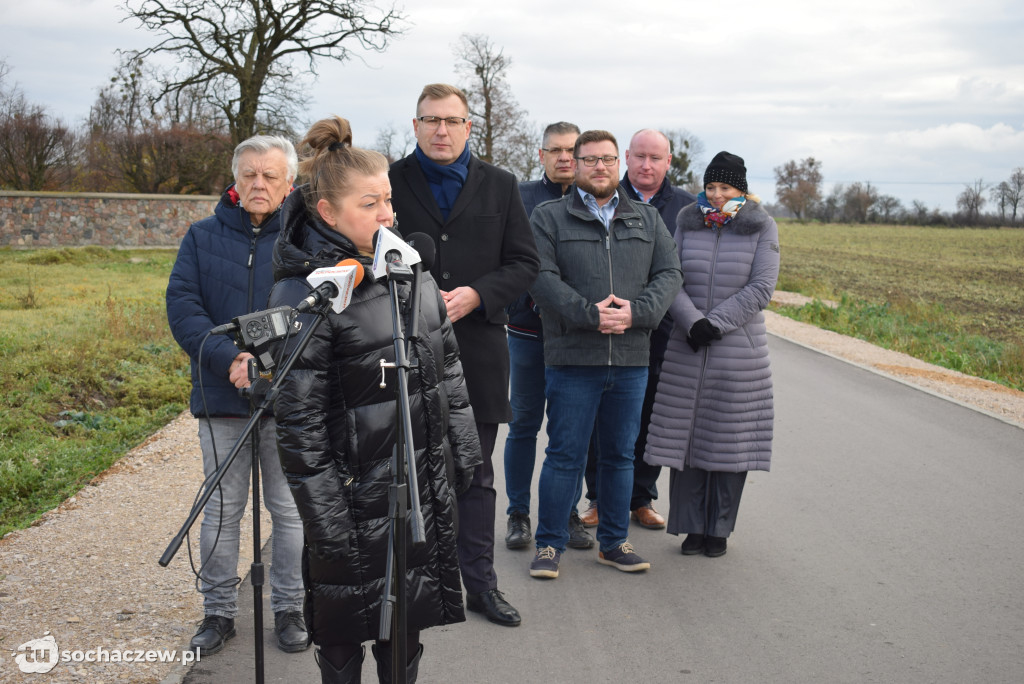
(607, 160)
(435, 121)
(557, 151)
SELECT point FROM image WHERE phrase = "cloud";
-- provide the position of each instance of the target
(1000, 139)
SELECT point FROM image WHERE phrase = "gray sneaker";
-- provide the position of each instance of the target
(579, 538)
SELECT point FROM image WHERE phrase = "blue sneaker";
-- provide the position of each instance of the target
(545, 563)
(623, 558)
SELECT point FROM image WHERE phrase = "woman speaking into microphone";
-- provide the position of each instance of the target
(336, 425)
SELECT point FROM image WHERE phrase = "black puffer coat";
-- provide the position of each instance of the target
(336, 430)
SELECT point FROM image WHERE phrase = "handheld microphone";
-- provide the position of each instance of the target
(334, 283)
(390, 249)
(426, 248)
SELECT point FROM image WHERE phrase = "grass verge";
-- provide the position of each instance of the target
(90, 369)
(952, 297)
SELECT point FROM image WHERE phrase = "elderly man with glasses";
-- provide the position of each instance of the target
(486, 257)
(608, 273)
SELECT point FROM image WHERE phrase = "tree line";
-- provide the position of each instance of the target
(236, 70)
(798, 190)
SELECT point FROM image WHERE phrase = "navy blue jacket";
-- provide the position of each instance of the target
(222, 271)
(523, 318)
(669, 200)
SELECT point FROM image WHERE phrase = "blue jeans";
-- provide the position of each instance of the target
(606, 401)
(219, 531)
(526, 395)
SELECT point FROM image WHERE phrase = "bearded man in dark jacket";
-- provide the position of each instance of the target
(648, 159)
(223, 271)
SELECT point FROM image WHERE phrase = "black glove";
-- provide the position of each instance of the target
(463, 478)
(702, 333)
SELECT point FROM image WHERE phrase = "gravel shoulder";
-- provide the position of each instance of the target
(87, 574)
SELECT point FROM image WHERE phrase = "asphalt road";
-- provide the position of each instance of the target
(884, 546)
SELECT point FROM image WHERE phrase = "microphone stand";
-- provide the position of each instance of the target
(218, 475)
(403, 495)
(257, 392)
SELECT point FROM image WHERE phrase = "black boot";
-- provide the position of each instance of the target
(351, 673)
(383, 658)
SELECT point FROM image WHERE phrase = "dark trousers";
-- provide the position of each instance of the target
(645, 475)
(704, 501)
(476, 520)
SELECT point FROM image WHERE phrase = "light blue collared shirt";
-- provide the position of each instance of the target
(645, 200)
(603, 213)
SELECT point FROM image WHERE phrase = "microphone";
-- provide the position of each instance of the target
(426, 248)
(390, 249)
(334, 283)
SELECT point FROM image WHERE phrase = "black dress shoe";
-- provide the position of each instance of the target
(693, 544)
(214, 632)
(579, 538)
(714, 546)
(494, 606)
(290, 628)
(518, 534)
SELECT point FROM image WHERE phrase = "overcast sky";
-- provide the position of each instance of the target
(916, 98)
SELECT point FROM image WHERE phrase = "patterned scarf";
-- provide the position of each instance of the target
(716, 218)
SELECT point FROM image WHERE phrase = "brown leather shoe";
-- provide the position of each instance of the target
(589, 516)
(648, 517)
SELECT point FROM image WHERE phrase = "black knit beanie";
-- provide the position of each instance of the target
(727, 168)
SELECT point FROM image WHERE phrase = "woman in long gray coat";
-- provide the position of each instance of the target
(713, 412)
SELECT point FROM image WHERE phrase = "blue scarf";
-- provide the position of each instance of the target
(445, 181)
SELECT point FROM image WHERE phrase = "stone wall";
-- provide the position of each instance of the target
(58, 219)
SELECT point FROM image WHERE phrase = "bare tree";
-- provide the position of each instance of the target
(687, 150)
(138, 142)
(502, 135)
(971, 200)
(37, 152)
(239, 53)
(831, 208)
(798, 185)
(1015, 193)
(919, 211)
(1000, 194)
(392, 144)
(887, 209)
(857, 202)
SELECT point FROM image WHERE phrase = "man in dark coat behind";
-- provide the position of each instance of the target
(486, 257)
(526, 353)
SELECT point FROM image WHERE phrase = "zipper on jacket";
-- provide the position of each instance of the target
(611, 280)
(252, 270)
(705, 350)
